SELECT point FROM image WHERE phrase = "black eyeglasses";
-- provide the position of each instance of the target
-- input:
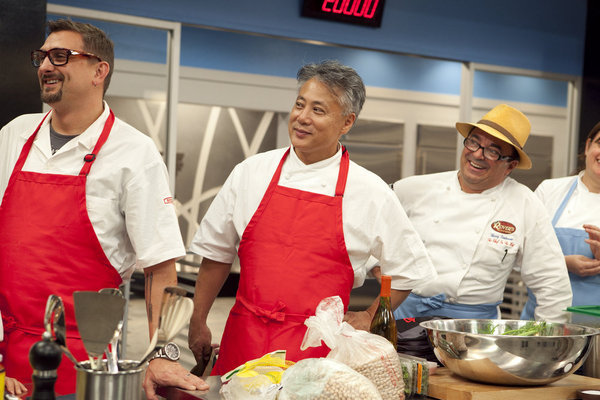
(488, 152)
(57, 56)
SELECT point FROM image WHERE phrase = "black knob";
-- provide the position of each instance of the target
(44, 357)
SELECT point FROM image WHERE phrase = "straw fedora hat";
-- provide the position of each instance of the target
(507, 124)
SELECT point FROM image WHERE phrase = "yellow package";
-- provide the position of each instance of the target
(2, 375)
(256, 379)
(259, 378)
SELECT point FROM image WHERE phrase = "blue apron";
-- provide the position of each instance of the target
(586, 290)
(435, 306)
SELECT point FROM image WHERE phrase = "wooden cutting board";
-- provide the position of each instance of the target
(445, 385)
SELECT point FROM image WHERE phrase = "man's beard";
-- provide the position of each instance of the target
(50, 98)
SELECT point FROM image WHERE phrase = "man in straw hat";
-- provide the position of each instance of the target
(478, 224)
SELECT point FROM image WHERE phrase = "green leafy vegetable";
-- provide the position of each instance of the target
(488, 329)
(531, 328)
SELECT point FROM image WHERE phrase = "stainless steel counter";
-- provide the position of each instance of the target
(172, 393)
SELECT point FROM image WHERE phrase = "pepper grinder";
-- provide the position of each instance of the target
(44, 357)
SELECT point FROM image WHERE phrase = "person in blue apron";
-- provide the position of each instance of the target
(575, 203)
(478, 224)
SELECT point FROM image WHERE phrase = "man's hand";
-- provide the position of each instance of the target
(582, 265)
(209, 282)
(199, 340)
(594, 240)
(376, 272)
(163, 372)
(359, 319)
(15, 387)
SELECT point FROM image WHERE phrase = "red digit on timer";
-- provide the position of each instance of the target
(351, 7)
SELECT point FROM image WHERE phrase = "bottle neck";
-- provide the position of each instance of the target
(386, 286)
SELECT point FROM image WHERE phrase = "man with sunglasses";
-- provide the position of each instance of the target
(85, 198)
(478, 224)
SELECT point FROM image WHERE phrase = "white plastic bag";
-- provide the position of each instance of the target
(325, 379)
(371, 355)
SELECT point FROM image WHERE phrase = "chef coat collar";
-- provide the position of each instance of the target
(487, 192)
(296, 163)
(87, 138)
(580, 185)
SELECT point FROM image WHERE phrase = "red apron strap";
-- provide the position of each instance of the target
(90, 158)
(277, 174)
(343, 174)
(25, 151)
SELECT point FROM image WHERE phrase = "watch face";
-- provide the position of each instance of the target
(172, 351)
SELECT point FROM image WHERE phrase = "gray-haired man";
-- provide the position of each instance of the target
(304, 221)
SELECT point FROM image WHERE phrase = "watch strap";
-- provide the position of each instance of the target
(162, 354)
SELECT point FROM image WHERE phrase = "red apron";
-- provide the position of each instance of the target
(292, 255)
(47, 246)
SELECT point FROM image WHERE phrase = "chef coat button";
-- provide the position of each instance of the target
(451, 300)
(286, 177)
(477, 230)
(323, 184)
(493, 200)
(435, 221)
(464, 265)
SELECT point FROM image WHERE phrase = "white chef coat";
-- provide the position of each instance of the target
(373, 221)
(583, 206)
(475, 240)
(127, 193)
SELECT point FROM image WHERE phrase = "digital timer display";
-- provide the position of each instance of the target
(363, 12)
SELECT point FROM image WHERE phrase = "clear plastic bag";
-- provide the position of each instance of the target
(325, 379)
(415, 372)
(257, 387)
(371, 355)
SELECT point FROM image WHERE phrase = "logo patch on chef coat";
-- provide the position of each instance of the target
(503, 227)
(168, 200)
(504, 237)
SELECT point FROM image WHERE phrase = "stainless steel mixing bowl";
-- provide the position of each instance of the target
(509, 360)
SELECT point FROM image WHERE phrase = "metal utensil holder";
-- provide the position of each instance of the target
(126, 384)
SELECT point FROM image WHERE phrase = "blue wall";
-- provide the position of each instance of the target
(520, 89)
(546, 35)
(237, 52)
(262, 55)
(513, 36)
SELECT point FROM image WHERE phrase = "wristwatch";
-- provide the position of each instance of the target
(169, 352)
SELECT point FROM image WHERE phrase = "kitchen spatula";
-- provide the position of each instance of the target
(111, 352)
(97, 315)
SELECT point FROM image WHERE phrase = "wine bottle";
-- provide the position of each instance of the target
(384, 323)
